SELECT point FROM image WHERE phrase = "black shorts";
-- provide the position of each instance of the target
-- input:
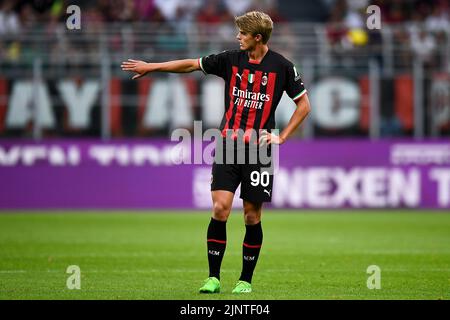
(255, 177)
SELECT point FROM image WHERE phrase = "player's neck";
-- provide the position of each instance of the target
(258, 53)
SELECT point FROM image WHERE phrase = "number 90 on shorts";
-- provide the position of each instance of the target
(259, 178)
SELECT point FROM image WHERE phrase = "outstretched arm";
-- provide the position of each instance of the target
(142, 68)
(300, 113)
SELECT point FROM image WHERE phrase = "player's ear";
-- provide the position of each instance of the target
(258, 38)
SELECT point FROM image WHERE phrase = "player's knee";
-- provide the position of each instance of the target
(221, 210)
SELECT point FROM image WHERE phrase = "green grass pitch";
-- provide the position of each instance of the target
(162, 255)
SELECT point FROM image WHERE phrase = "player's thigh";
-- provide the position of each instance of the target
(225, 177)
(257, 183)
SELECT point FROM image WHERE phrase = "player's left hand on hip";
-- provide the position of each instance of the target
(269, 138)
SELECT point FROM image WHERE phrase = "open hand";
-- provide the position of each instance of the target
(140, 67)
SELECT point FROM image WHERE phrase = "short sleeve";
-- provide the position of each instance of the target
(294, 84)
(214, 64)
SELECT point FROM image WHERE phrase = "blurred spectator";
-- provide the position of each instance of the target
(178, 10)
(210, 13)
(423, 46)
(93, 18)
(395, 11)
(145, 9)
(120, 10)
(28, 16)
(439, 18)
(335, 27)
(213, 14)
(227, 32)
(236, 8)
(180, 14)
(169, 8)
(357, 5)
(271, 8)
(355, 24)
(9, 21)
(346, 31)
(10, 26)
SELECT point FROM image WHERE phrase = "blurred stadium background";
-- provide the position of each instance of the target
(76, 133)
(375, 93)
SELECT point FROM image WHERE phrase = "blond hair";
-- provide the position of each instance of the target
(255, 22)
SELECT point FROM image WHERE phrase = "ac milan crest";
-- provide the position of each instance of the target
(264, 80)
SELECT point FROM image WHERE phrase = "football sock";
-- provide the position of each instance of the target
(250, 250)
(216, 243)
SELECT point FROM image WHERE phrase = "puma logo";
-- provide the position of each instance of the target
(267, 191)
(238, 75)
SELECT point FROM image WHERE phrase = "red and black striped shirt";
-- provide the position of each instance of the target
(253, 90)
